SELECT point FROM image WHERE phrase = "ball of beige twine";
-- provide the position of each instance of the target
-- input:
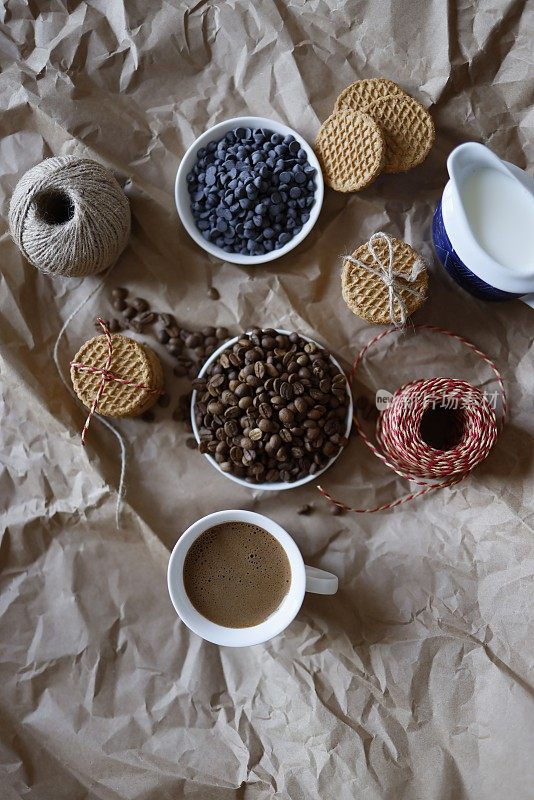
(69, 216)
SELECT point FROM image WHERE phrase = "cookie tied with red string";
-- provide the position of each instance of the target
(116, 376)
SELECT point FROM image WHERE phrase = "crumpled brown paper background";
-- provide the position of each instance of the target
(415, 681)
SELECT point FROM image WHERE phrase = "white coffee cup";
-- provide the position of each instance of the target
(303, 579)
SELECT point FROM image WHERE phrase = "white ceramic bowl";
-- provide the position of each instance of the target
(268, 487)
(183, 199)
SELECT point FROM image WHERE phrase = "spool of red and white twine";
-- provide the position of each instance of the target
(399, 443)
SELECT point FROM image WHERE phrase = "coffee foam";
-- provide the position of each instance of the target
(236, 574)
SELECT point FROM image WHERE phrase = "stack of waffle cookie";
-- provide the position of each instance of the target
(375, 127)
(133, 381)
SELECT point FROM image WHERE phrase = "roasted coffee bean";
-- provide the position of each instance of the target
(162, 336)
(193, 340)
(146, 318)
(203, 447)
(259, 369)
(331, 426)
(164, 400)
(248, 457)
(213, 293)
(286, 416)
(129, 312)
(215, 407)
(215, 383)
(243, 390)
(236, 454)
(119, 293)
(119, 304)
(148, 416)
(166, 320)
(231, 427)
(191, 443)
(301, 405)
(114, 326)
(305, 510)
(174, 332)
(140, 304)
(265, 410)
(255, 434)
(286, 391)
(228, 398)
(267, 425)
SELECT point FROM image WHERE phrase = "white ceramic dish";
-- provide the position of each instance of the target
(183, 200)
(268, 487)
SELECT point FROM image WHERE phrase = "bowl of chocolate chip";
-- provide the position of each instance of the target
(271, 409)
(249, 190)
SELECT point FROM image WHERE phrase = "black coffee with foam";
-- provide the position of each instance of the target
(236, 574)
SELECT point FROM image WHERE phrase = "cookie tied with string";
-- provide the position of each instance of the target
(384, 281)
(116, 376)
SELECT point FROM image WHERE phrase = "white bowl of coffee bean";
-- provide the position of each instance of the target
(271, 409)
(249, 190)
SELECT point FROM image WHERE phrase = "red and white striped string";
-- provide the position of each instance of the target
(399, 444)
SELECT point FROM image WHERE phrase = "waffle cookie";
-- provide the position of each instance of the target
(359, 95)
(367, 294)
(408, 131)
(131, 361)
(350, 149)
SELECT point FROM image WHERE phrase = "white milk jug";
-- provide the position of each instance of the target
(483, 228)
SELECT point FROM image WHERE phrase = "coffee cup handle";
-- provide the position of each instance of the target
(319, 581)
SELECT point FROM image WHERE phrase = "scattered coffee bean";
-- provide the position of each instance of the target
(146, 318)
(119, 304)
(162, 336)
(148, 416)
(139, 304)
(285, 425)
(164, 400)
(114, 326)
(306, 510)
(119, 293)
(191, 442)
(129, 312)
(213, 293)
(166, 320)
